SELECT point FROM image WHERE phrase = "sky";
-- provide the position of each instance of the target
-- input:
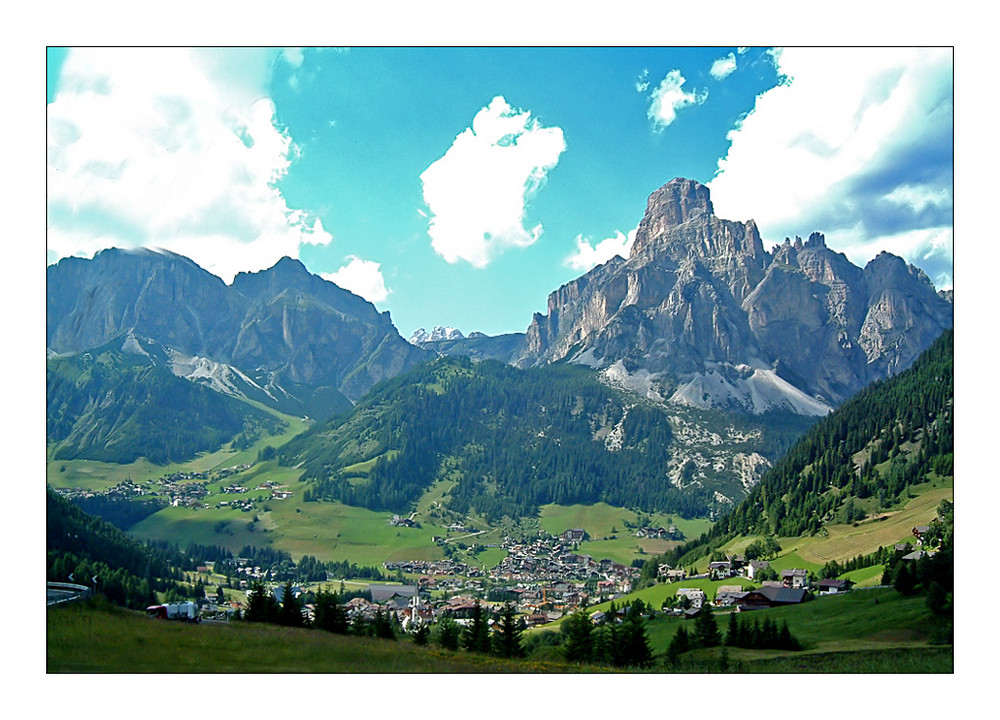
(459, 186)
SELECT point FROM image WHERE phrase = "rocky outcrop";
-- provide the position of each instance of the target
(283, 326)
(699, 296)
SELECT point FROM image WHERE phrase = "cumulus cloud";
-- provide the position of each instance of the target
(173, 148)
(855, 143)
(361, 277)
(478, 191)
(723, 67)
(669, 97)
(588, 255)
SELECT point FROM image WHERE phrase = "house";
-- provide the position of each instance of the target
(728, 595)
(795, 578)
(829, 586)
(597, 617)
(919, 531)
(770, 596)
(755, 566)
(696, 596)
(720, 569)
(386, 594)
(574, 535)
(279, 592)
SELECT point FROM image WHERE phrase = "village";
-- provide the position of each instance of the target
(545, 579)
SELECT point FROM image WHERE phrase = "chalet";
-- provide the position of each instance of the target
(829, 586)
(695, 595)
(597, 617)
(770, 596)
(574, 535)
(917, 554)
(728, 595)
(720, 569)
(795, 578)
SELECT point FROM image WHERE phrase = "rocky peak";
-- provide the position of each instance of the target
(680, 200)
(700, 292)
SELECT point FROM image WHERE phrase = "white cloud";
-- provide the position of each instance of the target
(670, 97)
(642, 83)
(588, 256)
(361, 277)
(173, 148)
(855, 143)
(477, 192)
(723, 67)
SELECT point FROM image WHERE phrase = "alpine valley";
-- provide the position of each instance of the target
(281, 422)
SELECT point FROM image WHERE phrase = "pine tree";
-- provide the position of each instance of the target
(449, 633)
(578, 637)
(507, 635)
(634, 649)
(706, 632)
(680, 643)
(422, 633)
(290, 614)
(476, 637)
(733, 635)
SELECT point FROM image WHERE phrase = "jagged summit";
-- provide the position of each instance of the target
(705, 314)
(421, 336)
(289, 330)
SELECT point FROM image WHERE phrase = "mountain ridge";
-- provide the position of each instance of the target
(699, 293)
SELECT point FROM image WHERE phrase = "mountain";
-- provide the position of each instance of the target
(864, 456)
(297, 342)
(477, 346)
(421, 336)
(121, 401)
(701, 314)
(502, 441)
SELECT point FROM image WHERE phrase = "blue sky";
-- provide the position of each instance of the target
(459, 186)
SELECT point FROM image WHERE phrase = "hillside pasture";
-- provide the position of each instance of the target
(845, 542)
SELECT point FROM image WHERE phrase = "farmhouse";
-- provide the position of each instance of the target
(720, 569)
(795, 578)
(695, 595)
(728, 595)
(830, 586)
(770, 596)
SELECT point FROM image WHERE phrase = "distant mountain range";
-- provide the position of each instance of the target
(285, 336)
(699, 319)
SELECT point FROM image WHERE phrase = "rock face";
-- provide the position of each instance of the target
(283, 327)
(701, 307)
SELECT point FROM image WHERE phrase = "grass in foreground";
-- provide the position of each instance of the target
(97, 638)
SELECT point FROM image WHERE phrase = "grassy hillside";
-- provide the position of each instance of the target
(842, 634)
(114, 406)
(100, 639)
